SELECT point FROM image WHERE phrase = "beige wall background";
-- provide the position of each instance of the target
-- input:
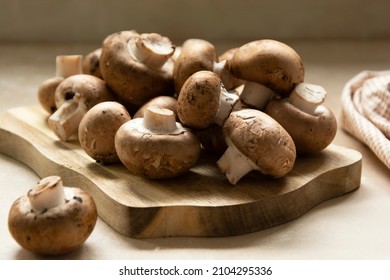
(91, 20)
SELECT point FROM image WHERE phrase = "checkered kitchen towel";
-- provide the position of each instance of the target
(366, 111)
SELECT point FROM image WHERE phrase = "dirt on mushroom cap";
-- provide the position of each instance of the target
(262, 140)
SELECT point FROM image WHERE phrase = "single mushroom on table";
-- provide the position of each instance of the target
(52, 219)
(268, 67)
(255, 142)
(137, 67)
(97, 130)
(66, 65)
(156, 146)
(203, 100)
(74, 97)
(311, 124)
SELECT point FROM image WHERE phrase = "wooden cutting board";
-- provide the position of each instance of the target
(199, 203)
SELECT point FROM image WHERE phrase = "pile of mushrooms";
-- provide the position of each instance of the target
(138, 93)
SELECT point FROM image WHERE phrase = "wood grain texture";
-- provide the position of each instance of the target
(199, 203)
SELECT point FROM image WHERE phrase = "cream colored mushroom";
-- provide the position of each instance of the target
(255, 142)
(311, 124)
(52, 219)
(74, 97)
(97, 130)
(156, 146)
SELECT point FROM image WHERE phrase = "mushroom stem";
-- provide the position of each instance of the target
(234, 164)
(65, 121)
(227, 102)
(307, 97)
(256, 95)
(159, 120)
(67, 65)
(151, 49)
(48, 193)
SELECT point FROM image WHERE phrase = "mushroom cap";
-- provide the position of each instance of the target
(46, 92)
(133, 82)
(90, 63)
(155, 155)
(270, 63)
(262, 140)
(311, 133)
(199, 99)
(92, 90)
(57, 230)
(195, 55)
(167, 102)
(97, 130)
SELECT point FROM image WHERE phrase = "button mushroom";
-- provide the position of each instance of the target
(74, 97)
(255, 142)
(52, 219)
(97, 130)
(268, 67)
(137, 67)
(156, 146)
(203, 101)
(163, 101)
(66, 65)
(90, 63)
(311, 124)
(196, 55)
(223, 69)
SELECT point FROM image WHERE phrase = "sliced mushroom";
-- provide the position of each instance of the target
(97, 130)
(311, 124)
(52, 219)
(156, 146)
(137, 67)
(74, 97)
(203, 100)
(269, 67)
(255, 142)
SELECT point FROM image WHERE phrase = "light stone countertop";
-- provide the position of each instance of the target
(354, 226)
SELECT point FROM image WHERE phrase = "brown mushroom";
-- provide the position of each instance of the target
(74, 97)
(223, 69)
(52, 219)
(66, 65)
(203, 100)
(195, 55)
(97, 130)
(137, 67)
(312, 125)
(269, 67)
(255, 142)
(156, 146)
(163, 101)
(90, 63)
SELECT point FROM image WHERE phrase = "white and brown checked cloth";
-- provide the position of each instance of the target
(365, 111)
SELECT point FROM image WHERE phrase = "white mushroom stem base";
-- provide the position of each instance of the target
(48, 193)
(227, 102)
(256, 95)
(160, 120)
(235, 165)
(67, 65)
(65, 121)
(307, 97)
(151, 49)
